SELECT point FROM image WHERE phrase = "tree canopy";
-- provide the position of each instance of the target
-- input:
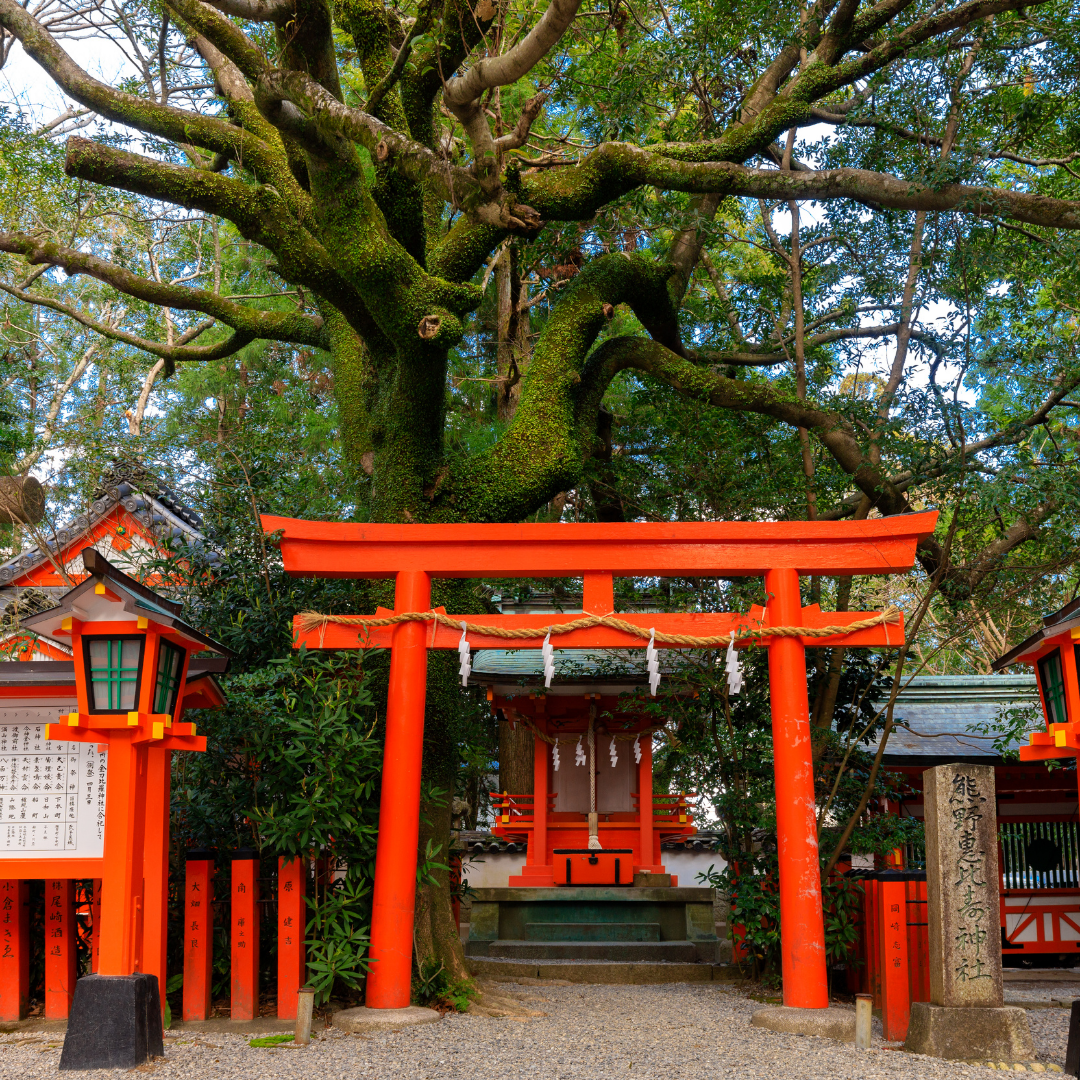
(539, 247)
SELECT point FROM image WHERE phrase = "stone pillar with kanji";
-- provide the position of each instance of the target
(965, 1018)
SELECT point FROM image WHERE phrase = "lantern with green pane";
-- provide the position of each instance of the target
(1054, 651)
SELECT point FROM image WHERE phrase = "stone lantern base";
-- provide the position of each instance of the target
(966, 1034)
(115, 1023)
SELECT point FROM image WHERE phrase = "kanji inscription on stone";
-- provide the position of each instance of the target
(962, 885)
(52, 793)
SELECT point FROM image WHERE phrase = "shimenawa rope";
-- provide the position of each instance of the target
(311, 620)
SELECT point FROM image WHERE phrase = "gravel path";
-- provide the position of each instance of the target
(669, 1032)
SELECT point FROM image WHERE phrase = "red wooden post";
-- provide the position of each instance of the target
(292, 925)
(245, 936)
(95, 926)
(895, 988)
(14, 949)
(538, 857)
(59, 947)
(394, 895)
(156, 867)
(873, 941)
(122, 884)
(802, 922)
(918, 942)
(198, 934)
(645, 807)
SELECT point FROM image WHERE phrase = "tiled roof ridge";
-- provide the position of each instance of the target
(132, 485)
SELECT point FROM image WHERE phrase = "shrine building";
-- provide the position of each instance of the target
(132, 520)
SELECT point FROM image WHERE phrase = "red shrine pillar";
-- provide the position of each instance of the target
(540, 803)
(802, 925)
(394, 895)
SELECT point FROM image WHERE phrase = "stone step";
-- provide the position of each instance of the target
(606, 973)
(594, 950)
(592, 931)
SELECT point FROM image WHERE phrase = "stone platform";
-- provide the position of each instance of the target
(600, 923)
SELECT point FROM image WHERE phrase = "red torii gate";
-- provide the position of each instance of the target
(779, 551)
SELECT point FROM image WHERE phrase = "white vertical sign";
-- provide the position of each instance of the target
(52, 793)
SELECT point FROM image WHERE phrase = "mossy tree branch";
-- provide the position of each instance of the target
(293, 327)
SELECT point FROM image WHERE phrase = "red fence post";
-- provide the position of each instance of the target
(14, 949)
(95, 925)
(60, 947)
(198, 934)
(918, 942)
(872, 986)
(895, 990)
(292, 927)
(245, 936)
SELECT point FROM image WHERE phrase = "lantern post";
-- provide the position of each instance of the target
(131, 657)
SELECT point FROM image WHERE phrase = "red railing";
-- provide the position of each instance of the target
(511, 810)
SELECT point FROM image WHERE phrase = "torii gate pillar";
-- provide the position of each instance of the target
(394, 894)
(779, 551)
(802, 940)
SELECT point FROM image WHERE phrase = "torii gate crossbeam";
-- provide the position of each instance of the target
(778, 551)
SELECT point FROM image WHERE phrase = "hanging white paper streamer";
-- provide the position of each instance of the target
(548, 654)
(464, 658)
(652, 662)
(579, 753)
(613, 753)
(637, 749)
(555, 755)
(734, 669)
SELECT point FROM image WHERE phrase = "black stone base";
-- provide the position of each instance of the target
(115, 1023)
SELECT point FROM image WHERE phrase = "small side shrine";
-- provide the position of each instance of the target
(593, 885)
(600, 822)
(84, 794)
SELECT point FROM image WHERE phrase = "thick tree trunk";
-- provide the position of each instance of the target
(515, 759)
(435, 934)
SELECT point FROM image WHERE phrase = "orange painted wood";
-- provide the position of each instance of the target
(156, 867)
(802, 947)
(725, 548)
(244, 920)
(60, 947)
(918, 941)
(95, 926)
(43, 869)
(292, 925)
(872, 925)
(122, 879)
(198, 937)
(893, 942)
(598, 594)
(537, 852)
(337, 636)
(62, 692)
(14, 949)
(394, 893)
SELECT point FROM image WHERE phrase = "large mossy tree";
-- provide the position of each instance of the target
(691, 344)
